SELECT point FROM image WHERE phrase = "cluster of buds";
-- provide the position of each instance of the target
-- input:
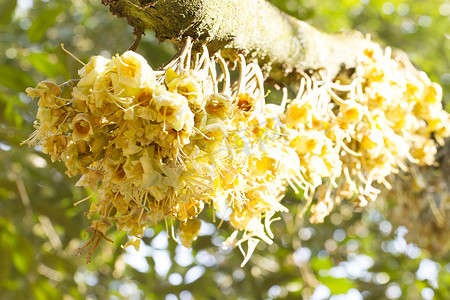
(357, 134)
(160, 145)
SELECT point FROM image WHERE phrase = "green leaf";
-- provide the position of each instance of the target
(5, 262)
(16, 79)
(42, 63)
(23, 256)
(43, 290)
(10, 113)
(74, 292)
(40, 25)
(6, 248)
(7, 8)
(38, 293)
(321, 264)
(20, 263)
(337, 285)
(420, 284)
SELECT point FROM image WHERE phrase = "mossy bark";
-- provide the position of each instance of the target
(253, 27)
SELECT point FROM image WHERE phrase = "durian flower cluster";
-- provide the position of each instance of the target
(162, 145)
(352, 136)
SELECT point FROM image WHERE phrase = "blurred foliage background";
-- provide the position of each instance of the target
(353, 255)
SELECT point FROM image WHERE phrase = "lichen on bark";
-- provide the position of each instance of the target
(255, 28)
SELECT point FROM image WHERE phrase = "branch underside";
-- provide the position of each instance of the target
(252, 27)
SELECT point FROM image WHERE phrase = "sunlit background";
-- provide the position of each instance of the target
(362, 254)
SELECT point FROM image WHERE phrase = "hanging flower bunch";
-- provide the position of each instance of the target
(159, 145)
(358, 134)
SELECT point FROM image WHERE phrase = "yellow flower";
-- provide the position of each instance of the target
(433, 94)
(133, 73)
(310, 142)
(47, 117)
(54, 145)
(219, 105)
(248, 103)
(185, 84)
(143, 101)
(102, 90)
(351, 111)
(189, 209)
(424, 150)
(151, 177)
(189, 231)
(172, 109)
(82, 127)
(120, 202)
(135, 242)
(440, 125)
(48, 93)
(128, 145)
(373, 140)
(92, 70)
(90, 179)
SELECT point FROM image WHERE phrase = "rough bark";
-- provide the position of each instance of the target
(253, 27)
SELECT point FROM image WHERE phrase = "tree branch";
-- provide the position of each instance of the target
(253, 27)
